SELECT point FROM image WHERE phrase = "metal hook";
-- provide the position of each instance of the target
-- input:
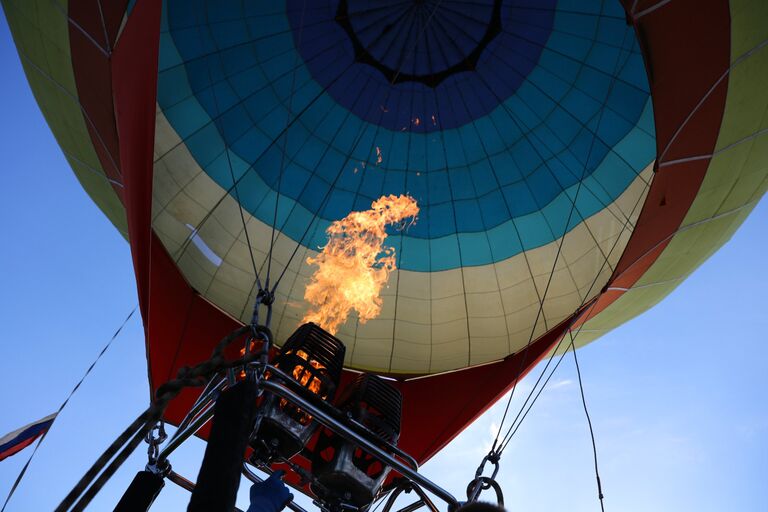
(493, 458)
(263, 297)
(481, 483)
(154, 442)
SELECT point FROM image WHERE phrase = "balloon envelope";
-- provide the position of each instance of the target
(572, 162)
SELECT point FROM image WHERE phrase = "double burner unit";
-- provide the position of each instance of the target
(341, 442)
(341, 471)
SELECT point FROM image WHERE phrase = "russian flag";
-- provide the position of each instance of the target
(25, 436)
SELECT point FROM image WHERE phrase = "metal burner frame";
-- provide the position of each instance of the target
(283, 386)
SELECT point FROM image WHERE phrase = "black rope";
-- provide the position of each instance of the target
(591, 431)
(627, 220)
(182, 249)
(585, 314)
(135, 430)
(516, 424)
(61, 408)
(546, 381)
(496, 453)
(358, 137)
(505, 441)
(229, 164)
(573, 337)
(524, 358)
(120, 449)
(274, 142)
(285, 145)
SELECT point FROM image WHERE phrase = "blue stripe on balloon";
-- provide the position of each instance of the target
(520, 159)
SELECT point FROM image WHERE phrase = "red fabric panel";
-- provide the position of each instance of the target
(171, 301)
(112, 12)
(685, 60)
(93, 78)
(99, 19)
(134, 83)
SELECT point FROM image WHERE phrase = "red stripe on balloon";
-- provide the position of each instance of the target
(687, 66)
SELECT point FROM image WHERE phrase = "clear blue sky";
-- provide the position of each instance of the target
(677, 396)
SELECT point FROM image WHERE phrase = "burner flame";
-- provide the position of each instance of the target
(354, 265)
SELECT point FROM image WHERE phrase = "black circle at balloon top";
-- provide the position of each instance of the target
(420, 65)
(395, 39)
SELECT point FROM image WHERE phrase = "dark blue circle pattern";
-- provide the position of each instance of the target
(421, 39)
(559, 98)
(431, 56)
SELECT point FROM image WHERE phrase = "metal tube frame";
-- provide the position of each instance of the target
(326, 415)
(186, 484)
(180, 436)
(423, 500)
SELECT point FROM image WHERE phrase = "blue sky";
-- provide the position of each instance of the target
(677, 396)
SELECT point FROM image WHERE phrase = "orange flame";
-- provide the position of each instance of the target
(309, 381)
(242, 354)
(355, 265)
(303, 376)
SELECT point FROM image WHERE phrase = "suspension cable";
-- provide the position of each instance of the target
(229, 164)
(117, 453)
(589, 423)
(285, 143)
(62, 406)
(497, 448)
(559, 249)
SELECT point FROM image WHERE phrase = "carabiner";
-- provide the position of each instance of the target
(493, 458)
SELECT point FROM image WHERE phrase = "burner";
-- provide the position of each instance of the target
(347, 473)
(314, 359)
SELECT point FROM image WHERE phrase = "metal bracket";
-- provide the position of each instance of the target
(407, 487)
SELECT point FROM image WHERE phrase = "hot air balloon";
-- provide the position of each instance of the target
(515, 170)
